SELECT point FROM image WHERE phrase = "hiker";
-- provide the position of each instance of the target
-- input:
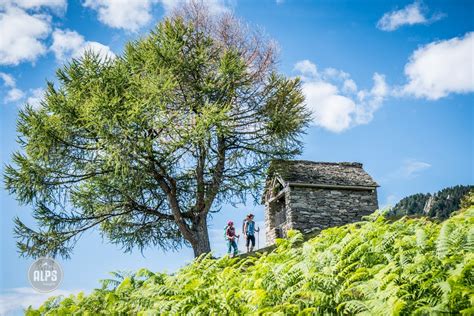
(249, 232)
(230, 237)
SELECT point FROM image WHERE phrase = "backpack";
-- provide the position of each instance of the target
(225, 232)
(249, 230)
(243, 225)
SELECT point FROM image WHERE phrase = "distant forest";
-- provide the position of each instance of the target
(438, 205)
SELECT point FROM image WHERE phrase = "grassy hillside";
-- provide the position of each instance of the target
(375, 267)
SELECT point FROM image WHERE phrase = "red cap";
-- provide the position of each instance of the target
(230, 223)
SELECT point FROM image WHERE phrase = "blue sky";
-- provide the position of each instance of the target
(390, 84)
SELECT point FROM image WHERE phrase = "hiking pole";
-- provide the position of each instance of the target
(238, 238)
(258, 238)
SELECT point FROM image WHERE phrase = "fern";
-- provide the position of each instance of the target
(410, 266)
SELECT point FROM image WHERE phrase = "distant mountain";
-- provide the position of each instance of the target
(439, 205)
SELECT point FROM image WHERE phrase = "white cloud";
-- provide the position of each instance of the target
(214, 6)
(330, 109)
(334, 99)
(13, 94)
(305, 67)
(440, 68)
(14, 300)
(334, 73)
(104, 51)
(8, 80)
(36, 95)
(349, 86)
(370, 101)
(35, 4)
(410, 15)
(123, 14)
(22, 35)
(390, 201)
(411, 168)
(70, 44)
(133, 15)
(66, 44)
(25, 25)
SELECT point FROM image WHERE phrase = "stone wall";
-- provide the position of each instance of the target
(310, 209)
(313, 208)
(277, 218)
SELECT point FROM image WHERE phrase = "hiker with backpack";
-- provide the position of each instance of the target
(230, 237)
(249, 230)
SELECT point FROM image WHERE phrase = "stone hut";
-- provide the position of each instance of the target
(310, 196)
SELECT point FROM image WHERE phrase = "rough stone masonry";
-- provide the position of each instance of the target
(310, 196)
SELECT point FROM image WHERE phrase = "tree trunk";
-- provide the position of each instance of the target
(201, 244)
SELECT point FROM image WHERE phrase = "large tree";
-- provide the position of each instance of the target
(146, 145)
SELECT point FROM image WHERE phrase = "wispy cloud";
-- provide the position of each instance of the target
(36, 95)
(214, 6)
(12, 94)
(306, 68)
(391, 200)
(8, 80)
(14, 300)
(411, 168)
(414, 13)
(37, 4)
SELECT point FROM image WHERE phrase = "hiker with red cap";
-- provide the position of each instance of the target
(230, 237)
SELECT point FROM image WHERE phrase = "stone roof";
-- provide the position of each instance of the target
(321, 173)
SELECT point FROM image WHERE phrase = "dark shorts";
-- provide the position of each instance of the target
(250, 238)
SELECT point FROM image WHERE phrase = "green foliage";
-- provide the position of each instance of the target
(376, 267)
(146, 145)
(443, 203)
